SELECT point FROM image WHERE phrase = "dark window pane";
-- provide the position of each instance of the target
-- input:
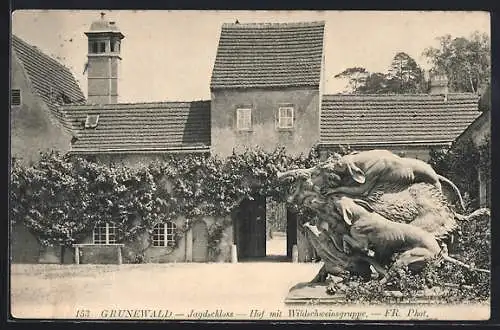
(93, 47)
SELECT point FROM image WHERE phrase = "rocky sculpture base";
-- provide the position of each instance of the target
(376, 216)
(308, 293)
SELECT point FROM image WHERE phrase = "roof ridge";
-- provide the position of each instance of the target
(38, 50)
(128, 104)
(398, 95)
(275, 24)
(266, 55)
(35, 64)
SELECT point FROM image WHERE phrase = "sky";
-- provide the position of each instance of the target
(169, 55)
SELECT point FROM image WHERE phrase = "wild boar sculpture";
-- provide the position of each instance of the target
(370, 225)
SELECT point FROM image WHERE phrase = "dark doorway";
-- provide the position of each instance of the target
(250, 229)
(291, 232)
(260, 239)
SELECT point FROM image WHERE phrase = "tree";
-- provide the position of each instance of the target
(356, 76)
(465, 61)
(376, 83)
(405, 75)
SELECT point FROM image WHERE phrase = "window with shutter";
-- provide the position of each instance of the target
(244, 119)
(15, 97)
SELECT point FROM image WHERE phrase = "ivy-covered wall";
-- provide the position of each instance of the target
(25, 247)
(463, 163)
(61, 199)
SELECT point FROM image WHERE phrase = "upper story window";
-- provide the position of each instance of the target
(164, 234)
(105, 233)
(285, 117)
(96, 47)
(244, 119)
(15, 97)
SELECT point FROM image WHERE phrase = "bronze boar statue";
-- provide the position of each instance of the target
(372, 225)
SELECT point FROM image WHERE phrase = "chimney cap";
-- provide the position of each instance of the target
(103, 25)
(438, 84)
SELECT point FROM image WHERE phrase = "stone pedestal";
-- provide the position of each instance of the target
(307, 293)
(315, 293)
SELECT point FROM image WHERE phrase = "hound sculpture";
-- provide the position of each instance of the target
(369, 168)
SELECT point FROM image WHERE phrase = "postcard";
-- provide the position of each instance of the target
(250, 165)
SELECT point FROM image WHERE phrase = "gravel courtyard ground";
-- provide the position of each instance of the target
(187, 291)
(59, 291)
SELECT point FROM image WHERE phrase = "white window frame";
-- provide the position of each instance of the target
(108, 230)
(283, 118)
(241, 113)
(12, 97)
(164, 234)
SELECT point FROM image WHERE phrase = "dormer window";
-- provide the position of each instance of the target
(91, 121)
(244, 119)
(285, 117)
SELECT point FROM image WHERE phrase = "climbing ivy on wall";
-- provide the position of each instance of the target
(461, 164)
(60, 198)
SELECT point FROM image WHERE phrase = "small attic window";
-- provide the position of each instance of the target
(15, 97)
(91, 121)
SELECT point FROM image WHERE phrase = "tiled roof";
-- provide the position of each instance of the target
(481, 123)
(395, 119)
(141, 127)
(269, 55)
(51, 80)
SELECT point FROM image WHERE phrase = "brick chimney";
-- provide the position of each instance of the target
(438, 85)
